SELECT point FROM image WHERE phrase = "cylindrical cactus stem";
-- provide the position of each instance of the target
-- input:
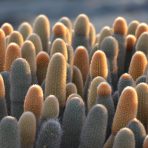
(28, 53)
(142, 115)
(81, 32)
(110, 47)
(67, 22)
(92, 35)
(104, 32)
(41, 27)
(142, 27)
(141, 79)
(2, 50)
(94, 129)
(60, 31)
(36, 40)
(42, 61)
(130, 49)
(16, 37)
(73, 120)
(27, 129)
(70, 89)
(55, 81)
(6, 78)
(3, 107)
(142, 44)
(78, 80)
(34, 101)
(139, 132)
(25, 29)
(49, 135)
(124, 81)
(92, 92)
(9, 133)
(83, 65)
(120, 31)
(126, 109)
(145, 142)
(132, 27)
(20, 80)
(13, 52)
(98, 65)
(70, 53)
(7, 28)
(59, 45)
(50, 108)
(128, 136)
(137, 65)
(104, 97)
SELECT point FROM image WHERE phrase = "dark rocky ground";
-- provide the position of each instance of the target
(101, 12)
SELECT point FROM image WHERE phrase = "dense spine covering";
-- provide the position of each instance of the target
(94, 130)
(28, 53)
(27, 129)
(3, 107)
(42, 61)
(70, 89)
(126, 109)
(73, 120)
(124, 139)
(137, 65)
(81, 32)
(50, 108)
(120, 31)
(36, 40)
(104, 97)
(92, 92)
(59, 45)
(7, 28)
(124, 81)
(98, 65)
(81, 60)
(2, 50)
(25, 29)
(41, 27)
(9, 133)
(49, 135)
(16, 37)
(139, 132)
(20, 80)
(34, 100)
(55, 81)
(13, 52)
(142, 92)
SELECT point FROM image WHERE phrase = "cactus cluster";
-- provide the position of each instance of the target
(74, 87)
